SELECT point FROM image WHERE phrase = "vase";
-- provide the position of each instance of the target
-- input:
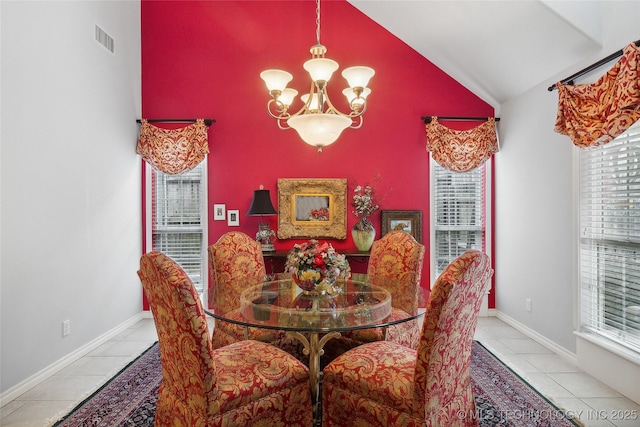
(363, 234)
(313, 282)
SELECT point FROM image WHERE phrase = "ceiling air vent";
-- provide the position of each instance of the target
(105, 39)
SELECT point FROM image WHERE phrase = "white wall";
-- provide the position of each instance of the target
(534, 218)
(536, 207)
(70, 179)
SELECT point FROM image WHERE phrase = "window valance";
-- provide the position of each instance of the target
(173, 151)
(462, 150)
(594, 114)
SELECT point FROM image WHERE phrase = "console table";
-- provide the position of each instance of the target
(275, 260)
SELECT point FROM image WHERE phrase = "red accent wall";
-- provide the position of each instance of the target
(203, 59)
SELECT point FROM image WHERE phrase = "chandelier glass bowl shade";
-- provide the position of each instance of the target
(318, 122)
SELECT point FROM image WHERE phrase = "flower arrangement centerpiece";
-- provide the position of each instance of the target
(315, 267)
(363, 232)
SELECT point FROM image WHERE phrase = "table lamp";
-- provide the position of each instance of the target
(261, 205)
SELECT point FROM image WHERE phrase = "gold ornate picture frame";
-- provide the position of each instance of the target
(409, 221)
(312, 208)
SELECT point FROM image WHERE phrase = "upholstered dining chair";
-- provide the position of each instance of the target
(395, 263)
(387, 384)
(249, 383)
(235, 264)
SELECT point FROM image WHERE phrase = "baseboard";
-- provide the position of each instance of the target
(540, 339)
(24, 386)
(491, 312)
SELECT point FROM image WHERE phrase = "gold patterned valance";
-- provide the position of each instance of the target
(462, 150)
(594, 114)
(173, 151)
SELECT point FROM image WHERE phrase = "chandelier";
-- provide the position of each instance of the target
(318, 122)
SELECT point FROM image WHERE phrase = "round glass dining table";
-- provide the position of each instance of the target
(312, 319)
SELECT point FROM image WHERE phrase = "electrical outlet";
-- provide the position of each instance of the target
(66, 328)
(527, 304)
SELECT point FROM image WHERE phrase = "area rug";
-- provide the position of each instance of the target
(503, 399)
(128, 399)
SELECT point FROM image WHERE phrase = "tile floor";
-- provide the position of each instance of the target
(557, 379)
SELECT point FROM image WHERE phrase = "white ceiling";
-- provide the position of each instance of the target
(496, 49)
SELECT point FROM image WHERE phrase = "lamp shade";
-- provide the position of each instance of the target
(261, 204)
(319, 130)
(358, 76)
(314, 105)
(320, 69)
(276, 79)
(353, 99)
(287, 96)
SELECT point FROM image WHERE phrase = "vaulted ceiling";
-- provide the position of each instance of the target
(497, 49)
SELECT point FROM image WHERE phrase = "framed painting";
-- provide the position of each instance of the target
(312, 208)
(219, 212)
(409, 221)
(233, 218)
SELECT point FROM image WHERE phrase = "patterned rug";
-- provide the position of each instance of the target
(503, 399)
(128, 399)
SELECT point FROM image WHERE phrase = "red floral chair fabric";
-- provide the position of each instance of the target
(395, 264)
(248, 383)
(386, 384)
(236, 263)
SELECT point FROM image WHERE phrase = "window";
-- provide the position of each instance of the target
(178, 218)
(459, 215)
(610, 239)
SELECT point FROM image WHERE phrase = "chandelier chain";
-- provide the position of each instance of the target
(318, 21)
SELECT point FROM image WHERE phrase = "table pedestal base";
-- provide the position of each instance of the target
(314, 348)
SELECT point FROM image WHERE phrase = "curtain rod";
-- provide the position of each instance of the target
(427, 119)
(591, 67)
(207, 122)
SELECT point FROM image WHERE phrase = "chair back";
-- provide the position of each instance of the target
(235, 263)
(395, 263)
(183, 333)
(442, 370)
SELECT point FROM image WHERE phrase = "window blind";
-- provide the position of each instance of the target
(179, 212)
(610, 239)
(459, 222)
